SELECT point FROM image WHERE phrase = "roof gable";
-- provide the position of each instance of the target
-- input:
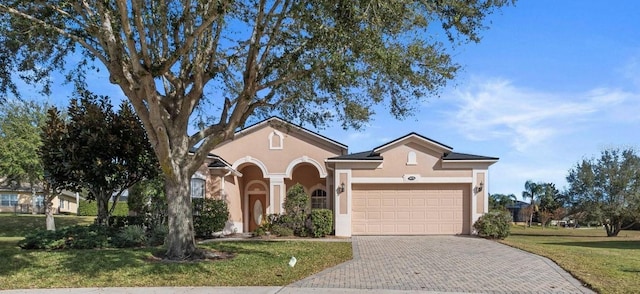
(422, 140)
(278, 122)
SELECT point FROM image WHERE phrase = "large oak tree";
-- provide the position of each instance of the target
(607, 189)
(308, 61)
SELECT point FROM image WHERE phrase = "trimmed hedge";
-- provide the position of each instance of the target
(90, 208)
(209, 216)
(495, 224)
(321, 222)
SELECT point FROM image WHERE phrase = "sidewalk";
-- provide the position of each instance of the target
(203, 290)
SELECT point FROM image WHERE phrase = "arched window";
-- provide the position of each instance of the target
(318, 199)
(276, 140)
(197, 188)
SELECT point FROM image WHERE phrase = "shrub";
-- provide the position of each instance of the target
(157, 235)
(147, 198)
(321, 222)
(209, 216)
(130, 236)
(125, 221)
(75, 237)
(281, 231)
(297, 206)
(260, 231)
(494, 225)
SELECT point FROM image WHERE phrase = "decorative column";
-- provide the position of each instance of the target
(276, 194)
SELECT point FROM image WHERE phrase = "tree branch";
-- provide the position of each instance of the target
(58, 30)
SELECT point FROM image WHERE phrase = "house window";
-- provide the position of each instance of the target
(39, 201)
(9, 200)
(319, 199)
(197, 188)
(411, 158)
(61, 203)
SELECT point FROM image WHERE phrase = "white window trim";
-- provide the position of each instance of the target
(412, 158)
(280, 136)
(326, 196)
(17, 199)
(204, 187)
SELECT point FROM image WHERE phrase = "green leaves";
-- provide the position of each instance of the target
(20, 123)
(96, 149)
(607, 189)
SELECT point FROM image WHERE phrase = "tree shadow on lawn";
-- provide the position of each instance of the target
(244, 247)
(603, 235)
(626, 244)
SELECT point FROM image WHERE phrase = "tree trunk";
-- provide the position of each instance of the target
(48, 210)
(180, 239)
(613, 229)
(103, 216)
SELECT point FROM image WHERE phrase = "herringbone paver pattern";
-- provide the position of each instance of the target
(445, 264)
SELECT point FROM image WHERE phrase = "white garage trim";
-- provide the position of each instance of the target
(418, 180)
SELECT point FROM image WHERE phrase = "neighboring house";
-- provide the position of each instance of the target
(515, 209)
(409, 186)
(20, 199)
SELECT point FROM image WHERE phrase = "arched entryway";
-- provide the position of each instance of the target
(255, 196)
(308, 175)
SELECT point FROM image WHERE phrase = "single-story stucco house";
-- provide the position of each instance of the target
(409, 186)
(21, 199)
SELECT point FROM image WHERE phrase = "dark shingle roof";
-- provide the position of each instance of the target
(218, 162)
(417, 135)
(366, 155)
(463, 156)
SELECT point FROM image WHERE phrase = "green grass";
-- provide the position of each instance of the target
(606, 264)
(19, 225)
(255, 263)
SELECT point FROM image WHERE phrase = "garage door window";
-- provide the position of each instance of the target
(319, 199)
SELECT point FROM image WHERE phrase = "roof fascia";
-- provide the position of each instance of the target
(431, 143)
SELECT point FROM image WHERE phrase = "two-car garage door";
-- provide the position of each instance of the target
(410, 209)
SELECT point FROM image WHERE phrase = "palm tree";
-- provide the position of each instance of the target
(501, 201)
(533, 191)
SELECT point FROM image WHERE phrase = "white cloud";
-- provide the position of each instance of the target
(498, 110)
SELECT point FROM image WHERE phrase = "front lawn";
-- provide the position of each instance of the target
(19, 225)
(607, 264)
(255, 263)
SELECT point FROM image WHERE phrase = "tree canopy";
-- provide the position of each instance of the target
(308, 61)
(97, 149)
(20, 123)
(607, 188)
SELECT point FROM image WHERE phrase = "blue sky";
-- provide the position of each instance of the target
(550, 83)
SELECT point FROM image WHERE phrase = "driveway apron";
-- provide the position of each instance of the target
(443, 264)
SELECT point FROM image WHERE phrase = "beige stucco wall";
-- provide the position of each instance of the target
(428, 164)
(294, 146)
(480, 194)
(306, 175)
(275, 156)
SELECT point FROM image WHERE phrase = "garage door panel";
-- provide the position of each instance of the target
(402, 202)
(418, 202)
(410, 209)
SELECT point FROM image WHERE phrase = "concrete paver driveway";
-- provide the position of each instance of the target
(443, 264)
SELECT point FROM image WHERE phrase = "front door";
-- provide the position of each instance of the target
(257, 210)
